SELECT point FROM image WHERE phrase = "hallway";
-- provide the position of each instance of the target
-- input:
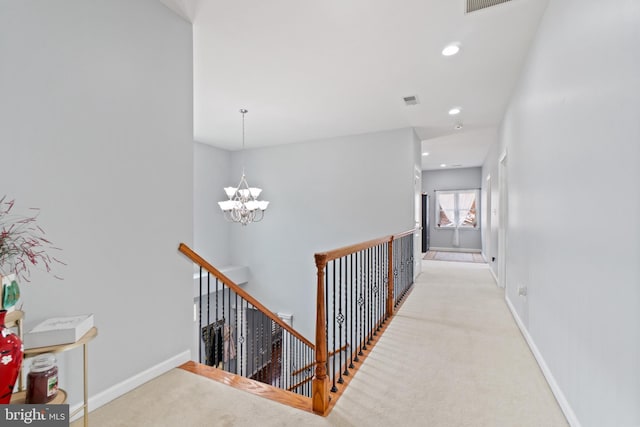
(452, 356)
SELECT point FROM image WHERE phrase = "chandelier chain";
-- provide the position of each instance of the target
(243, 205)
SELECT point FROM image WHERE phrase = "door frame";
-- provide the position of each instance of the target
(503, 220)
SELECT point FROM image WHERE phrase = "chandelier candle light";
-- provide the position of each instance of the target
(243, 205)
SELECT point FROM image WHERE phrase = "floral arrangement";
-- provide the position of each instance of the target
(22, 243)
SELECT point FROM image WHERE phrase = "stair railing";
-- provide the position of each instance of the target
(359, 287)
(238, 334)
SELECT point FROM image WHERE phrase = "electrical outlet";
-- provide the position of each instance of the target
(522, 291)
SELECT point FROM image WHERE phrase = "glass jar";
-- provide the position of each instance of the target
(42, 381)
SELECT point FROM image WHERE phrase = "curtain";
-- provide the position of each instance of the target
(447, 209)
(465, 201)
(456, 209)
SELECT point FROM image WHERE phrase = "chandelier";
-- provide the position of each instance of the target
(243, 205)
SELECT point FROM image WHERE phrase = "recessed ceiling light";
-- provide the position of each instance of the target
(443, 165)
(451, 49)
(454, 111)
(425, 154)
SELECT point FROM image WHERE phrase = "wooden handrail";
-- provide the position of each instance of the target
(320, 386)
(406, 233)
(347, 250)
(193, 256)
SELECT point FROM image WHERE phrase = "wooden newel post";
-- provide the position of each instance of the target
(320, 384)
(390, 281)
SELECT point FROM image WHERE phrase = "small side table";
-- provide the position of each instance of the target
(84, 342)
(15, 318)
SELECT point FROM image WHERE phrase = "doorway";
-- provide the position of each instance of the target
(503, 221)
(425, 223)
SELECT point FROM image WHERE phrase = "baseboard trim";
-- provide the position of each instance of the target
(557, 392)
(129, 384)
(495, 277)
(477, 251)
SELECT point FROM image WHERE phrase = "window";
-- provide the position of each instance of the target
(456, 209)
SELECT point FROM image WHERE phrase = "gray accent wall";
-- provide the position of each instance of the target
(572, 135)
(451, 179)
(96, 129)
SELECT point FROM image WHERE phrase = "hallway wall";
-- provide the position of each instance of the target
(452, 179)
(96, 129)
(572, 132)
(324, 195)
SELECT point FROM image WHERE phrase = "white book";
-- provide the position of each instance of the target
(58, 330)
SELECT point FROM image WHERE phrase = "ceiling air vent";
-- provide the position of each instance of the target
(473, 5)
(411, 100)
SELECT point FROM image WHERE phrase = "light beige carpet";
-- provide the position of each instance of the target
(452, 356)
(453, 256)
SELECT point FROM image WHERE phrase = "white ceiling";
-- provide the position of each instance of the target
(315, 70)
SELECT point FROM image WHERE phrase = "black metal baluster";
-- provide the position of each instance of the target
(359, 261)
(226, 360)
(380, 287)
(365, 320)
(232, 336)
(369, 292)
(383, 289)
(403, 270)
(374, 292)
(326, 312)
(412, 259)
(333, 308)
(340, 320)
(262, 343)
(372, 279)
(275, 372)
(268, 363)
(408, 268)
(279, 370)
(209, 336)
(409, 261)
(291, 365)
(385, 272)
(347, 314)
(354, 313)
(242, 331)
(365, 265)
(200, 338)
(251, 356)
(396, 276)
(208, 297)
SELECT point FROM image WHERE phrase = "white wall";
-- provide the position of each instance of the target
(490, 210)
(451, 179)
(324, 195)
(96, 129)
(572, 134)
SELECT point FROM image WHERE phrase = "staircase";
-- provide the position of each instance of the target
(242, 343)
